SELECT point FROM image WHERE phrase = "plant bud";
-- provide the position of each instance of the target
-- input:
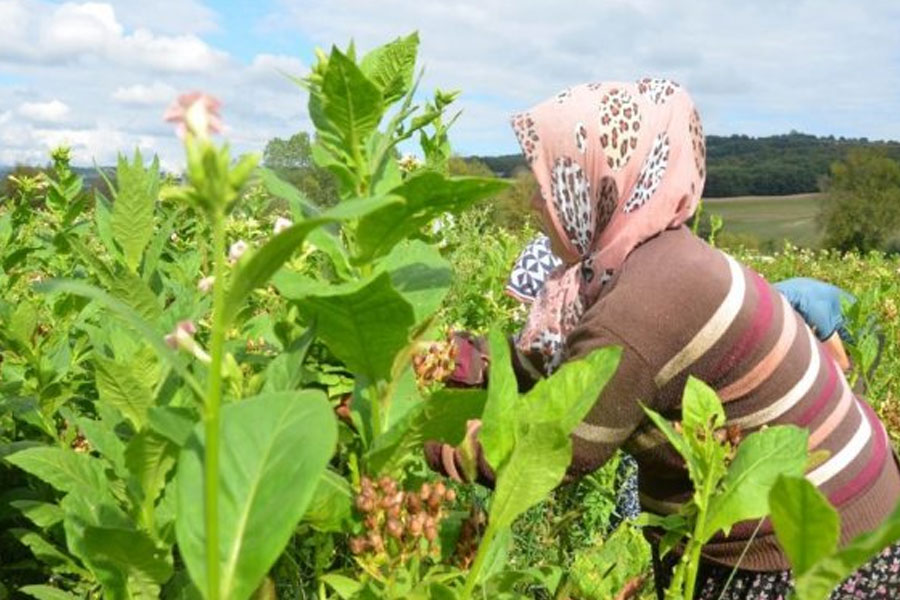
(450, 495)
(434, 501)
(394, 529)
(425, 491)
(376, 542)
(413, 503)
(366, 485)
(416, 525)
(371, 521)
(430, 533)
(387, 485)
(394, 511)
(357, 545)
(365, 504)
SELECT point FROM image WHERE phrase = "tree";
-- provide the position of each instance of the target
(862, 207)
(292, 160)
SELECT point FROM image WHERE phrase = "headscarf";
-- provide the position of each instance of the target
(616, 164)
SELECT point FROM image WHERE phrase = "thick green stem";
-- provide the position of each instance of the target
(377, 416)
(483, 548)
(695, 545)
(213, 401)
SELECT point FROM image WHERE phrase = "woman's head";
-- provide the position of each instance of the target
(613, 161)
(616, 164)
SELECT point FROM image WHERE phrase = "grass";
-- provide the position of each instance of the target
(770, 219)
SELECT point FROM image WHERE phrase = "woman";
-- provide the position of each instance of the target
(621, 167)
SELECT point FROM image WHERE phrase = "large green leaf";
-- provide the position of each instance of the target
(118, 387)
(331, 504)
(282, 189)
(46, 552)
(568, 395)
(391, 66)
(127, 563)
(42, 514)
(420, 274)
(806, 525)
(135, 200)
(275, 448)
(134, 291)
(427, 195)
(819, 582)
(64, 469)
(130, 316)
(149, 457)
(365, 324)
(499, 421)
(351, 104)
(441, 418)
(701, 407)
(46, 592)
(256, 270)
(760, 459)
(535, 466)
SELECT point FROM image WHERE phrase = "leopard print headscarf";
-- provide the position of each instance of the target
(616, 164)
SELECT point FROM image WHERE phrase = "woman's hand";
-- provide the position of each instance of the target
(464, 463)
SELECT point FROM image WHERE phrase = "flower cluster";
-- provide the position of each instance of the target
(409, 163)
(398, 523)
(435, 363)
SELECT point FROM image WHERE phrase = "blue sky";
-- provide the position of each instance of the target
(98, 75)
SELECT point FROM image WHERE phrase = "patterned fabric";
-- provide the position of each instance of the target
(682, 308)
(531, 269)
(616, 164)
(879, 579)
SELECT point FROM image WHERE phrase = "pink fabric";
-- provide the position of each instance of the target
(616, 163)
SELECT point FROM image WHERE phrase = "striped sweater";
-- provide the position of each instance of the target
(679, 307)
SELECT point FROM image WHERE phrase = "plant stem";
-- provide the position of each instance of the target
(695, 544)
(483, 549)
(377, 416)
(213, 402)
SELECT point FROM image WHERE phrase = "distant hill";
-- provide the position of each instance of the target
(740, 165)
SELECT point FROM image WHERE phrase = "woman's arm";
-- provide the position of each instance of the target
(616, 414)
(836, 348)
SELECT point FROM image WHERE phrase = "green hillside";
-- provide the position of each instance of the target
(770, 218)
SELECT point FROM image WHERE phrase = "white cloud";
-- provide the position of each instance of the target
(751, 67)
(155, 94)
(757, 68)
(53, 111)
(48, 34)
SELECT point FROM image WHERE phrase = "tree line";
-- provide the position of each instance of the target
(741, 165)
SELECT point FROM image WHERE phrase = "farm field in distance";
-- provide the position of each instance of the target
(770, 218)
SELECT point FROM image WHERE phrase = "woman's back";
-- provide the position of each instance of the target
(680, 308)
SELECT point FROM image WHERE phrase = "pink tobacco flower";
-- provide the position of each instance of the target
(182, 338)
(195, 112)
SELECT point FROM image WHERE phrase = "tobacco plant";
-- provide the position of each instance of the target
(731, 477)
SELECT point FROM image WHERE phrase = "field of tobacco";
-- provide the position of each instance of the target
(212, 388)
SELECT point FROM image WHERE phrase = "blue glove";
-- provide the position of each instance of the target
(819, 304)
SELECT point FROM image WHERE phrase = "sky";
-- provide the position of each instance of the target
(99, 75)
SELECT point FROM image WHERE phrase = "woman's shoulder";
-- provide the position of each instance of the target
(665, 292)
